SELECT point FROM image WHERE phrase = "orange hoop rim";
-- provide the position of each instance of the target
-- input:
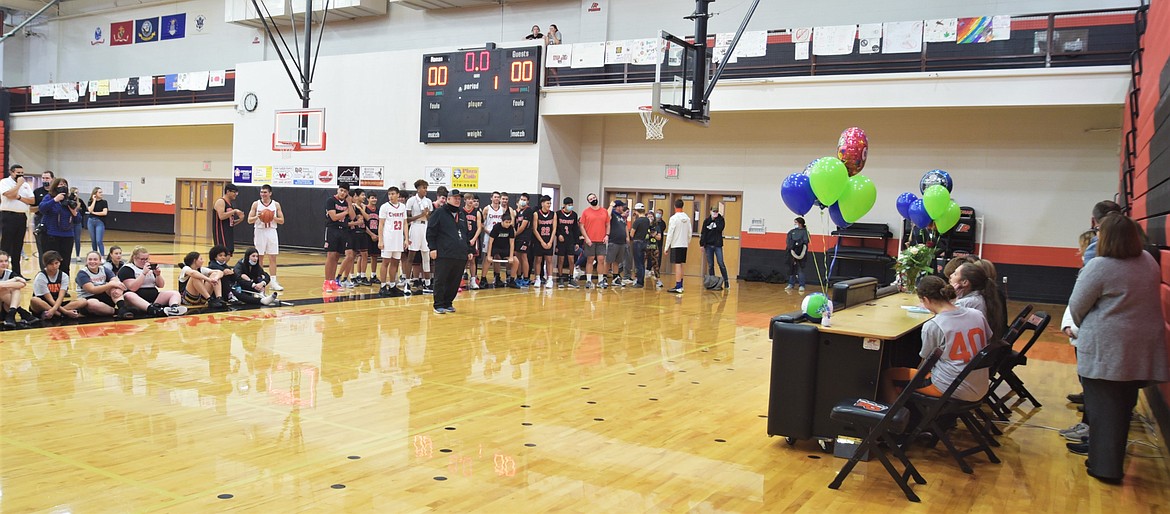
(646, 108)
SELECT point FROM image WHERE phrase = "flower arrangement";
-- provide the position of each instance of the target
(912, 263)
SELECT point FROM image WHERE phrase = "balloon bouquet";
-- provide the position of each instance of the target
(835, 184)
(935, 206)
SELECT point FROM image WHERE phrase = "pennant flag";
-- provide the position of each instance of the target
(146, 31)
(174, 26)
(121, 33)
(172, 82)
(974, 30)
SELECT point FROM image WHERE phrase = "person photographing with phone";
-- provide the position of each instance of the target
(144, 282)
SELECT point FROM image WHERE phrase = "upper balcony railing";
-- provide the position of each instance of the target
(20, 98)
(1080, 38)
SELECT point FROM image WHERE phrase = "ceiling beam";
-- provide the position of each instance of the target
(29, 6)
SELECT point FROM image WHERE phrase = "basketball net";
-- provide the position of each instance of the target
(653, 123)
(286, 148)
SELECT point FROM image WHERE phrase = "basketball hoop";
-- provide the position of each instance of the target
(286, 148)
(653, 122)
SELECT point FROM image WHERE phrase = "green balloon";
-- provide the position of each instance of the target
(949, 218)
(814, 305)
(828, 177)
(936, 199)
(858, 198)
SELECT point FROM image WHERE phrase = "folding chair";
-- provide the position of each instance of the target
(886, 425)
(1005, 372)
(946, 407)
(997, 405)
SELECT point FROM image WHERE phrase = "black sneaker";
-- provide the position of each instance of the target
(374, 282)
(155, 310)
(512, 284)
(1076, 398)
(1078, 448)
(499, 284)
(216, 303)
(27, 318)
(10, 320)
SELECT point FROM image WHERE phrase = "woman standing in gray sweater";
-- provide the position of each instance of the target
(1121, 345)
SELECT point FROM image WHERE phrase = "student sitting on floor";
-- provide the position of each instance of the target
(49, 287)
(11, 287)
(200, 285)
(144, 282)
(960, 333)
(101, 289)
(251, 280)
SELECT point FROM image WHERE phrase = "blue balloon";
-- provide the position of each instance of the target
(904, 201)
(835, 215)
(797, 193)
(933, 177)
(918, 214)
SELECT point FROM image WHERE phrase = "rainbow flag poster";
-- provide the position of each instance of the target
(974, 30)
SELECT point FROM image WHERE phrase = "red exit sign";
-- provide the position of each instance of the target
(671, 171)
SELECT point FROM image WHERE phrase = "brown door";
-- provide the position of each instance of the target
(731, 208)
(194, 207)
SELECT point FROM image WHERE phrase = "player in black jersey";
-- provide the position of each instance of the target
(568, 233)
(359, 241)
(336, 237)
(473, 219)
(372, 236)
(544, 229)
(502, 250)
(523, 224)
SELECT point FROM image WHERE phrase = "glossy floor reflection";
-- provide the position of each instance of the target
(605, 401)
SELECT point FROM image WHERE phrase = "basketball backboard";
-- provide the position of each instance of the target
(673, 91)
(299, 130)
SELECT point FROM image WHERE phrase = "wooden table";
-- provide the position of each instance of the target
(815, 367)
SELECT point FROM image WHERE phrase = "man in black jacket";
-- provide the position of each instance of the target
(449, 252)
(711, 239)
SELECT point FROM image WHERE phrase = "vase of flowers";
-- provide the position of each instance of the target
(912, 263)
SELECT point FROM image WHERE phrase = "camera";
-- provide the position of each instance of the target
(70, 201)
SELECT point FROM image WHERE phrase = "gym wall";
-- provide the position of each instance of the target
(1151, 195)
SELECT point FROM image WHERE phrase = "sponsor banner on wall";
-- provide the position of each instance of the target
(241, 174)
(347, 176)
(371, 176)
(282, 175)
(437, 176)
(465, 178)
(261, 175)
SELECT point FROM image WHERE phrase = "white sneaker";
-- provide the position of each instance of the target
(275, 285)
(589, 284)
(801, 289)
(268, 300)
(548, 284)
(658, 284)
(174, 310)
(472, 283)
(536, 285)
(577, 273)
(348, 284)
(788, 288)
(602, 283)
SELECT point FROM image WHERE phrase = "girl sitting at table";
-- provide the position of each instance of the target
(977, 290)
(959, 331)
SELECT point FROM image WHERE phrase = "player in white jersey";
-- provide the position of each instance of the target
(392, 241)
(418, 209)
(264, 232)
(492, 215)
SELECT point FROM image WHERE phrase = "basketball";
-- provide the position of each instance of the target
(267, 215)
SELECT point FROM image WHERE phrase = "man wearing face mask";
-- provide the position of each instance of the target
(595, 229)
(524, 241)
(447, 239)
(711, 239)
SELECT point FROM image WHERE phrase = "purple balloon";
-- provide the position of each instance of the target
(797, 193)
(918, 214)
(835, 215)
(904, 201)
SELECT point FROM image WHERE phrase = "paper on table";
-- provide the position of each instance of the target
(915, 309)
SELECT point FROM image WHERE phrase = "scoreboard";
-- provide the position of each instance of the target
(481, 96)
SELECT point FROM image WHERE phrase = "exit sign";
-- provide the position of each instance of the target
(671, 171)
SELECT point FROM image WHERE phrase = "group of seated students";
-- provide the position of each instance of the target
(970, 312)
(133, 288)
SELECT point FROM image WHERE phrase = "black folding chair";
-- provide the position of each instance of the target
(997, 405)
(1005, 372)
(947, 407)
(886, 426)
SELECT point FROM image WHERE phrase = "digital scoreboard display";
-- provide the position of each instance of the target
(481, 96)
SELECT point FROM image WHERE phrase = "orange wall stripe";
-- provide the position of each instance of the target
(152, 208)
(999, 253)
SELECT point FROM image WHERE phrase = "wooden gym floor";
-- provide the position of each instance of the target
(574, 401)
